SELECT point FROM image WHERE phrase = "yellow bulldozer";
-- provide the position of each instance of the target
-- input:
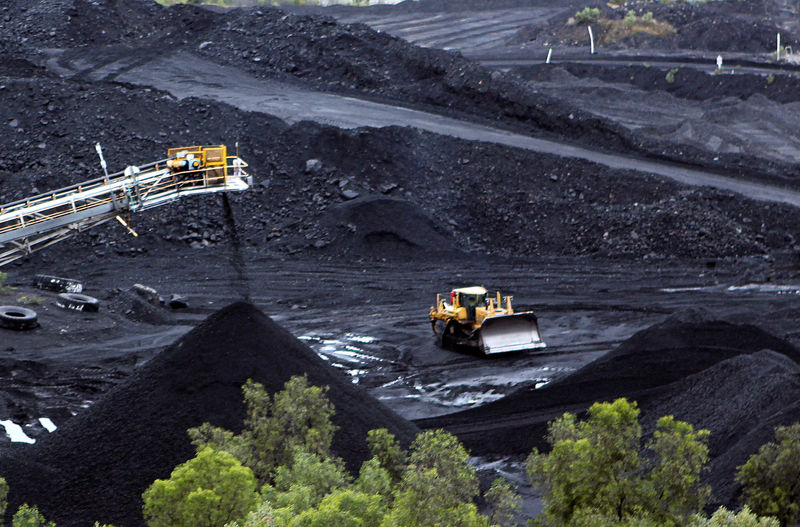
(474, 319)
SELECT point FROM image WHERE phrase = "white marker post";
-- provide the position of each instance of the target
(778, 50)
(549, 54)
(719, 62)
(102, 160)
(591, 39)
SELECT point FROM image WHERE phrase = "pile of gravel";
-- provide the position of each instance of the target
(96, 466)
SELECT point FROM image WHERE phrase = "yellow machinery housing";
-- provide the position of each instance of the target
(474, 319)
(37, 222)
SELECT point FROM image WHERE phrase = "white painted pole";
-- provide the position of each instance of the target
(549, 54)
(591, 39)
(778, 51)
(103, 164)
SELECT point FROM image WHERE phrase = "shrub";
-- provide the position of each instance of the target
(587, 15)
(671, 75)
(769, 478)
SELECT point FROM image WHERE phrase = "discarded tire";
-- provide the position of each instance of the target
(57, 284)
(78, 302)
(15, 317)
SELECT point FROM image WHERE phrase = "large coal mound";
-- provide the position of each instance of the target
(740, 401)
(641, 369)
(98, 464)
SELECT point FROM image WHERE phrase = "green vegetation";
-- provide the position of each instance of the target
(4, 289)
(671, 75)
(587, 15)
(209, 490)
(32, 300)
(770, 79)
(725, 518)
(614, 30)
(297, 417)
(595, 473)
(771, 478)
(286, 442)
(27, 516)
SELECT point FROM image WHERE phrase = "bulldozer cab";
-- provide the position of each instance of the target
(470, 298)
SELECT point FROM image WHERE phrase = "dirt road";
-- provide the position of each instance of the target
(186, 75)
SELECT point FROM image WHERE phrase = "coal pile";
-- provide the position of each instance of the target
(740, 401)
(643, 368)
(385, 226)
(96, 466)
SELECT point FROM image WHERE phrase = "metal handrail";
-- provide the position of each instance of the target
(175, 184)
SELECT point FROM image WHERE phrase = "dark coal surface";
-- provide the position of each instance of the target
(642, 368)
(740, 400)
(688, 83)
(96, 466)
(479, 198)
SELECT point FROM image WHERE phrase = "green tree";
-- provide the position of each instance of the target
(387, 450)
(303, 484)
(595, 473)
(297, 417)
(502, 498)
(345, 508)
(3, 496)
(437, 487)
(680, 455)
(771, 477)
(374, 479)
(29, 516)
(725, 518)
(207, 491)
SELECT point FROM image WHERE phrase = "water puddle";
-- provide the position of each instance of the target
(416, 396)
(777, 289)
(350, 352)
(15, 432)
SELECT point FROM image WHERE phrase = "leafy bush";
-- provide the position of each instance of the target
(630, 19)
(595, 474)
(725, 518)
(27, 516)
(299, 416)
(209, 490)
(587, 15)
(770, 477)
(670, 77)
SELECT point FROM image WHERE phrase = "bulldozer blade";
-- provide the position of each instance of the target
(504, 334)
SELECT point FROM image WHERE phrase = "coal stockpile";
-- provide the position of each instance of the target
(641, 369)
(740, 401)
(98, 464)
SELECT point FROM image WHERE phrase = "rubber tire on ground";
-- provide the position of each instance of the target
(15, 317)
(77, 302)
(57, 284)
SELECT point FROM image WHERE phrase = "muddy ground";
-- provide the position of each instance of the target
(350, 231)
